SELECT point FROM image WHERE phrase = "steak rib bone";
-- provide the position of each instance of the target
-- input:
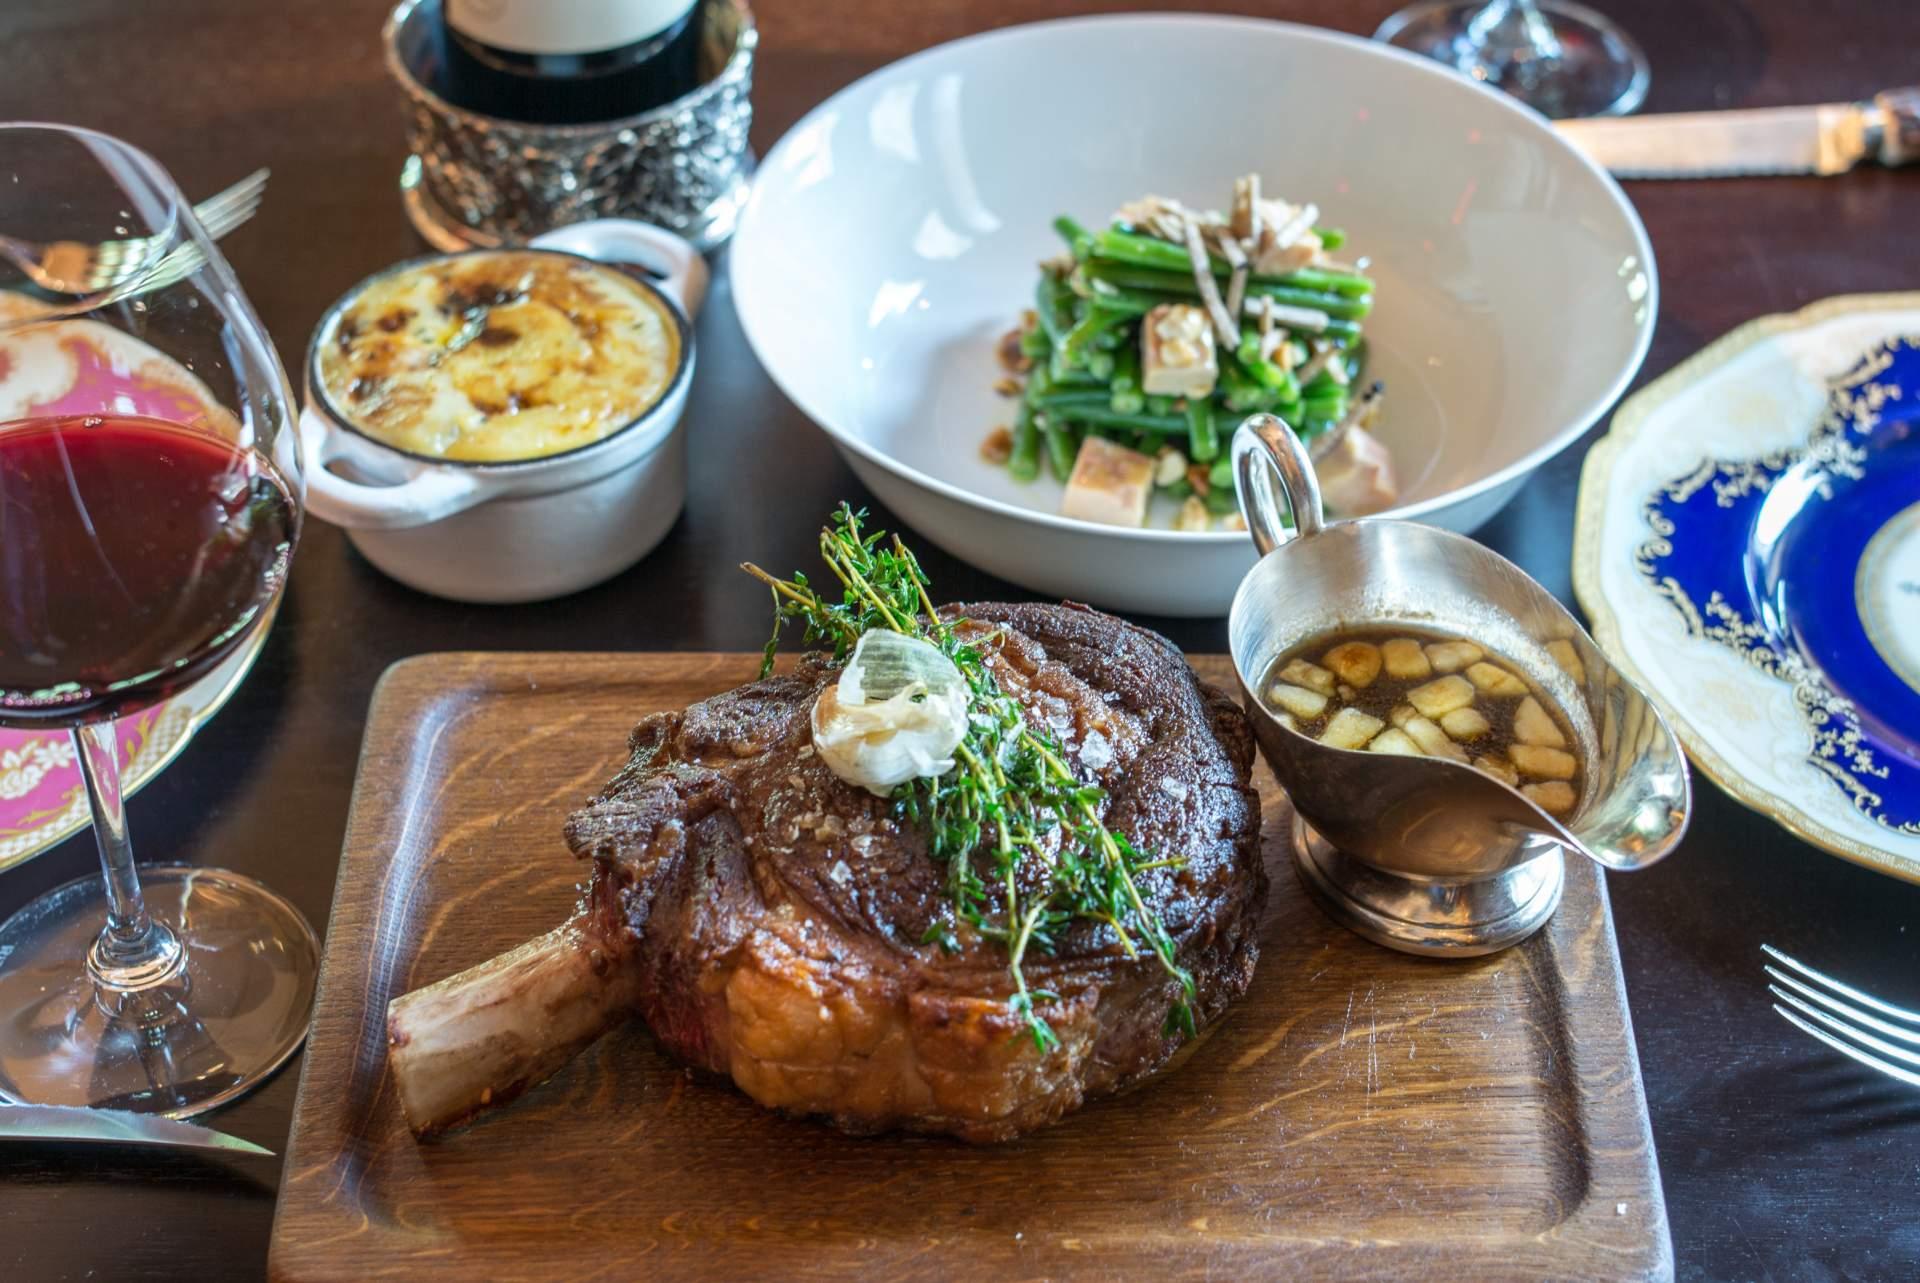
(478, 1039)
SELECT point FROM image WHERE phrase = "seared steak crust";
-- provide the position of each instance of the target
(776, 913)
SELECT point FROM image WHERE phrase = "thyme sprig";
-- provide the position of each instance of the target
(1021, 836)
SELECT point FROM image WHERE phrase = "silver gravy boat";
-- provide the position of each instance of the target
(1423, 854)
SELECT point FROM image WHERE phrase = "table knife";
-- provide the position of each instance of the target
(115, 1127)
(1826, 138)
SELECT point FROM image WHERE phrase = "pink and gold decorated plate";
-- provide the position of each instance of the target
(75, 367)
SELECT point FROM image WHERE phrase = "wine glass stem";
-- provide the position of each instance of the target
(1512, 31)
(133, 951)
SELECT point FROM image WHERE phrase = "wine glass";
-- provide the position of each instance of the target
(1560, 58)
(150, 487)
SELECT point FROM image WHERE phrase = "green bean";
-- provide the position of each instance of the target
(1104, 416)
(1221, 502)
(1331, 237)
(1035, 343)
(1241, 393)
(1071, 398)
(1116, 246)
(1061, 447)
(1126, 369)
(1079, 339)
(1140, 301)
(1351, 284)
(1024, 463)
(1078, 238)
(1053, 301)
(1180, 488)
(1100, 365)
(1338, 306)
(1125, 401)
(1203, 436)
(1220, 475)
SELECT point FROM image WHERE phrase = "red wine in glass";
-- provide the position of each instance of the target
(134, 555)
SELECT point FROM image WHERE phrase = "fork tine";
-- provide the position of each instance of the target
(1848, 1049)
(1846, 990)
(1880, 1045)
(233, 206)
(1833, 1004)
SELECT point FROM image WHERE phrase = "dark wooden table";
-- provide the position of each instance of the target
(1780, 1161)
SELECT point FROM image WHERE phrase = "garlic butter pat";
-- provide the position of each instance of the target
(896, 714)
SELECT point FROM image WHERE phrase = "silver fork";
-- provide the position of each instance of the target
(1877, 1034)
(71, 267)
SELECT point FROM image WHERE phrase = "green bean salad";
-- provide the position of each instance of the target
(1148, 340)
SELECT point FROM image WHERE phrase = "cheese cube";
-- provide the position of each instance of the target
(1394, 741)
(1452, 656)
(1303, 673)
(1555, 798)
(1404, 658)
(1465, 724)
(1110, 484)
(1297, 700)
(1532, 724)
(1542, 763)
(1176, 352)
(1442, 695)
(1350, 728)
(1495, 680)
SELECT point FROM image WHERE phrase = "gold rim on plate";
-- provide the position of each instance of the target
(1596, 476)
(158, 751)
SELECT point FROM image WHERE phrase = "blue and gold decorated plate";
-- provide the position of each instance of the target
(1748, 549)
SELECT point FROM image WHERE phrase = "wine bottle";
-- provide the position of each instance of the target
(559, 62)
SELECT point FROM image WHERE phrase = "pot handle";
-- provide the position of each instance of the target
(428, 495)
(669, 262)
(1270, 463)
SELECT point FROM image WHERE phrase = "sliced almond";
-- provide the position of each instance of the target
(1533, 724)
(1465, 724)
(1298, 700)
(1542, 763)
(1554, 797)
(1498, 769)
(1495, 680)
(1452, 656)
(1432, 740)
(1357, 663)
(1442, 695)
(1302, 672)
(1350, 728)
(1405, 659)
(1394, 741)
(1569, 660)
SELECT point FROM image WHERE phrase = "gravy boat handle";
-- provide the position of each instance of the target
(1270, 464)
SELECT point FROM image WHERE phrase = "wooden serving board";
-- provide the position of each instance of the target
(1359, 1113)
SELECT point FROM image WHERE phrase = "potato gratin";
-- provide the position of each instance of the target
(499, 356)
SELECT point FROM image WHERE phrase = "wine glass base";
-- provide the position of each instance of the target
(1597, 70)
(178, 1046)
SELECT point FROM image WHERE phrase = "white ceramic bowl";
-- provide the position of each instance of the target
(892, 236)
(531, 529)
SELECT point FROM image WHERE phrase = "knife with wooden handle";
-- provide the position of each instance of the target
(114, 1127)
(1826, 138)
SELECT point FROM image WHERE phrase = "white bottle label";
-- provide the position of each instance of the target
(563, 26)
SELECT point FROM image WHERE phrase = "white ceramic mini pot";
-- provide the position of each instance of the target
(529, 529)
